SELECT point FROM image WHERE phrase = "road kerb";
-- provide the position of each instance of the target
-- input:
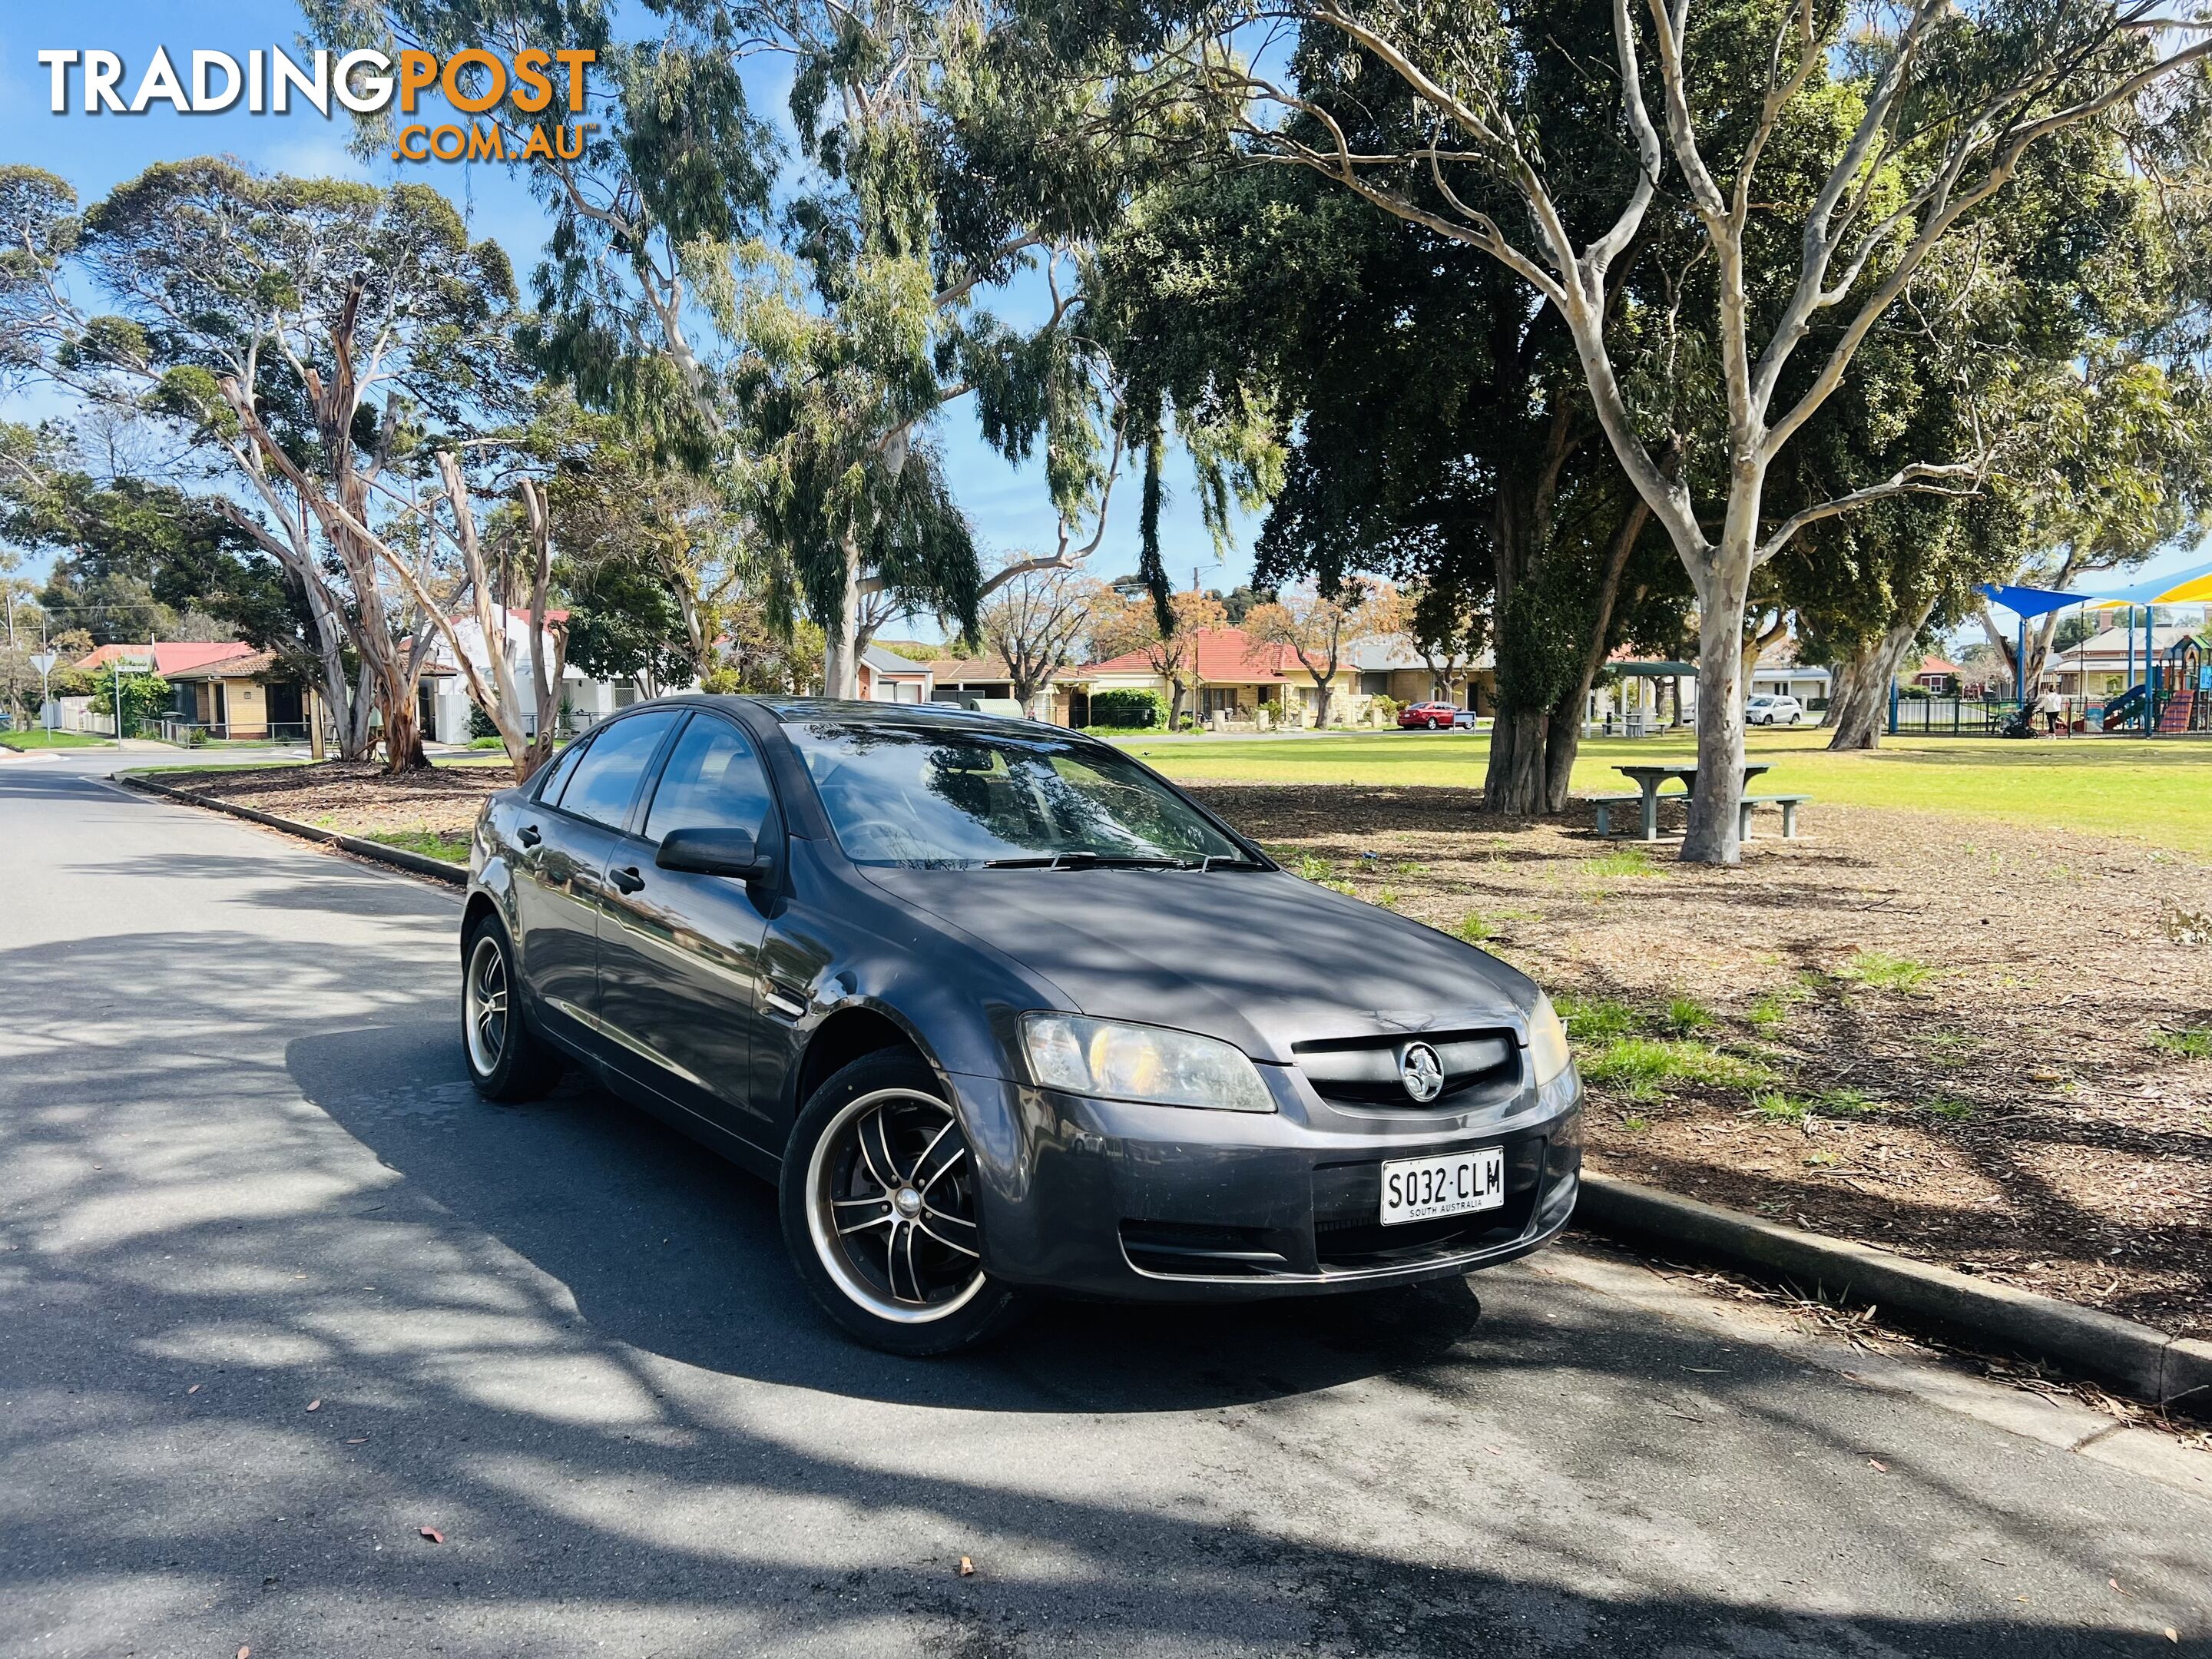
(398, 858)
(2147, 1364)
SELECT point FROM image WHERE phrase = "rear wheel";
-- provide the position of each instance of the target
(508, 1061)
(878, 1211)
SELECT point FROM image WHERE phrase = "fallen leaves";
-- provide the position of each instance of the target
(967, 1568)
(432, 1533)
(1879, 1464)
(315, 1405)
(194, 1389)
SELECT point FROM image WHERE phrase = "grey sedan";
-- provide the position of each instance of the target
(1003, 1013)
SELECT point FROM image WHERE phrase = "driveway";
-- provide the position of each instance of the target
(243, 1174)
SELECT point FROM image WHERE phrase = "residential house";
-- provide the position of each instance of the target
(1238, 679)
(987, 680)
(2106, 664)
(224, 687)
(886, 677)
(1777, 673)
(1938, 674)
(1389, 667)
(444, 706)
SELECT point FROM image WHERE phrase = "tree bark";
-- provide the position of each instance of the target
(1518, 782)
(1716, 804)
(841, 670)
(1859, 710)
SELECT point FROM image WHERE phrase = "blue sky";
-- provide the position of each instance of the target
(1008, 505)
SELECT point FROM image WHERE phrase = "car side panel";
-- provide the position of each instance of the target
(559, 888)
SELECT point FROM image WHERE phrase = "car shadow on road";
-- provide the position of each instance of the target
(678, 1253)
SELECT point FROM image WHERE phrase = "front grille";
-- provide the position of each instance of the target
(1479, 1067)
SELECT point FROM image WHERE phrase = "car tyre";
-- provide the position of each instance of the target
(878, 1157)
(508, 1061)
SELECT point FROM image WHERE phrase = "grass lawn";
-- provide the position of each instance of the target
(449, 848)
(38, 737)
(2153, 790)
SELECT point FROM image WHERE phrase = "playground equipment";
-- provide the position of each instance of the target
(2174, 694)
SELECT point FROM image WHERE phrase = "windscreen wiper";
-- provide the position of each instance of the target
(1086, 861)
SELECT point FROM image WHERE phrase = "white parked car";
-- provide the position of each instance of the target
(1767, 709)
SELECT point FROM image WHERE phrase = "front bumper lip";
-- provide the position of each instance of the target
(1230, 1206)
(1542, 1229)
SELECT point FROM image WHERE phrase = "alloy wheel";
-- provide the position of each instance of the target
(890, 1206)
(484, 1012)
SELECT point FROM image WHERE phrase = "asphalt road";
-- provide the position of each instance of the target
(243, 1172)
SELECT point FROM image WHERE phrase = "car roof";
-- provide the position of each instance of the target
(912, 716)
(857, 712)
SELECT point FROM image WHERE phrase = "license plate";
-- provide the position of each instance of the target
(1425, 1188)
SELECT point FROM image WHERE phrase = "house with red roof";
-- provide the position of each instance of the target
(1937, 674)
(226, 687)
(1238, 677)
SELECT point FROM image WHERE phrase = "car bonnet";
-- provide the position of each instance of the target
(1257, 957)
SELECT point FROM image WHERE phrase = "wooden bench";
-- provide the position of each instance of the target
(1789, 804)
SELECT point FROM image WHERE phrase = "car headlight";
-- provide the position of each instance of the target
(1115, 1059)
(1547, 1042)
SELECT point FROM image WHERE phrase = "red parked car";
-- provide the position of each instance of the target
(1435, 717)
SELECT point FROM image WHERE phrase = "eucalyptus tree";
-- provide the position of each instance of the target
(2121, 467)
(1431, 421)
(1823, 155)
(938, 166)
(302, 336)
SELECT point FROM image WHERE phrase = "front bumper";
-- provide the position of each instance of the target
(1111, 1199)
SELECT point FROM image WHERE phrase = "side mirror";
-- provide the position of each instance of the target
(711, 853)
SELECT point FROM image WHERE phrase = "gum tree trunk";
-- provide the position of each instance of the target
(841, 669)
(1716, 804)
(1860, 707)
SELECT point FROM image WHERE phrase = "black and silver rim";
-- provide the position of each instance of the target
(483, 1010)
(891, 1205)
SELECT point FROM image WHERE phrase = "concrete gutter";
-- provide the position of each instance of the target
(416, 864)
(2146, 1364)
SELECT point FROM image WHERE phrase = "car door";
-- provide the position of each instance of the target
(573, 827)
(680, 953)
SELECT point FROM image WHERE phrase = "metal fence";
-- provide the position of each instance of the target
(188, 733)
(1948, 717)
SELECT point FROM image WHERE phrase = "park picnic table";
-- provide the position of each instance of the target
(1649, 778)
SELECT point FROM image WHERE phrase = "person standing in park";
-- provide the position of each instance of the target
(2052, 708)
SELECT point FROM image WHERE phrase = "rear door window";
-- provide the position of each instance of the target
(556, 775)
(606, 780)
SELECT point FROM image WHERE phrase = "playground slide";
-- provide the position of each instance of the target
(2126, 707)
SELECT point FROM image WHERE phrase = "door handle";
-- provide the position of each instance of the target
(628, 880)
(528, 836)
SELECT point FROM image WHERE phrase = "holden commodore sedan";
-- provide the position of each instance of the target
(1002, 1012)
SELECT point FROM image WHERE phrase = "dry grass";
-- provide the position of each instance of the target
(1976, 1044)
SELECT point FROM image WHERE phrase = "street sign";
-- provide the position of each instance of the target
(44, 662)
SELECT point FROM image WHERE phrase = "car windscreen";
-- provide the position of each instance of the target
(936, 798)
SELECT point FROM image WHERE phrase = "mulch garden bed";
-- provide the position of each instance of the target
(1978, 1045)
(437, 803)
